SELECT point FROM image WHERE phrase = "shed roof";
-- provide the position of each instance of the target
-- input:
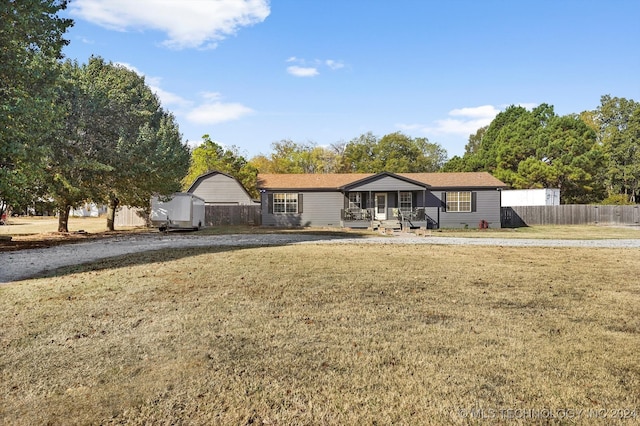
(204, 176)
(334, 181)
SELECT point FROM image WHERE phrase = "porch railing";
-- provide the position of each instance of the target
(352, 215)
(408, 218)
(417, 214)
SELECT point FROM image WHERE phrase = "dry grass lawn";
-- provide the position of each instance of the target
(38, 232)
(327, 334)
(563, 232)
(21, 226)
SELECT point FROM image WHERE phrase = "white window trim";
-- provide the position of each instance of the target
(288, 199)
(454, 202)
(402, 203)
(357, 204)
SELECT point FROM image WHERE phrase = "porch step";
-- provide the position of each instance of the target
(391, 224)
(386, 224)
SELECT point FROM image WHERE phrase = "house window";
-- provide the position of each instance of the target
(459, 201)
(355, 200)
(285, 203)
(406, 203)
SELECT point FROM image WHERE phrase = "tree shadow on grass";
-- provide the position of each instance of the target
(137, 259)
(169, 254)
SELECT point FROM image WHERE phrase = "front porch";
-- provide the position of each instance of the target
(387, 201)
(393, 218)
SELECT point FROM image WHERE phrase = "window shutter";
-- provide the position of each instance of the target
(270, 203)
(473, 201)
(443, 202)
(299, 203)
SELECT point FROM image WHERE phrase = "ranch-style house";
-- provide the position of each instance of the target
(389, 200)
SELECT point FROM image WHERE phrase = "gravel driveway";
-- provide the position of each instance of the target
(18, 265)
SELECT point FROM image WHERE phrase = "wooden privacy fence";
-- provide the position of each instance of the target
(232, 215)
(131, 216)
(570, 214)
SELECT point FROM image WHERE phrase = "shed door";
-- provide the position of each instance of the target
(381, 206)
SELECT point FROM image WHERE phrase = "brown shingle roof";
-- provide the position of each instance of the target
(336, 180)
(457, 180)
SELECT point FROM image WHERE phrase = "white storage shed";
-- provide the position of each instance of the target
(180, 211)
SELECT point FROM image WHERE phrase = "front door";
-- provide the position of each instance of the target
(381, 206)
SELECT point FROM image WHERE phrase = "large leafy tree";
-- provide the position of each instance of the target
(359, 154)
(395, 152)
(78, 155)
(618, 124)
(153, 164)
(210, 156)
(146, 152)
(567, 157)
(536, 149)
(116, 145)
(31, 41)
(475, 140)
(293, 157)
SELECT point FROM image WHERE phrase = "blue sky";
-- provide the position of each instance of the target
(253, 72)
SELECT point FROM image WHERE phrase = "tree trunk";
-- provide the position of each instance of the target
(63, 219)
(111, 213)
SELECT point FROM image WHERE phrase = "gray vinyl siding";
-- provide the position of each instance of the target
(318, 209)
(487, 203)
(222, 190)
(432, 207)
(324, 208)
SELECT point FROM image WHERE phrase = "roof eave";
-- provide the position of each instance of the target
(298, 189)
(378, 175)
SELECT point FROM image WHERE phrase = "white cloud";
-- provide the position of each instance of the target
(302, 71)
(462, 127)
(187, 23)
(334, 65)
(481, 112)
(211, 96)
(410, 127)
(213, 111)
(166, 98)
(304, 68)
(461, 121)
(471, 119)
(129, 67)
(86, 40)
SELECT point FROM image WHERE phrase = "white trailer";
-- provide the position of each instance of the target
(179, 211)
(530, 197)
